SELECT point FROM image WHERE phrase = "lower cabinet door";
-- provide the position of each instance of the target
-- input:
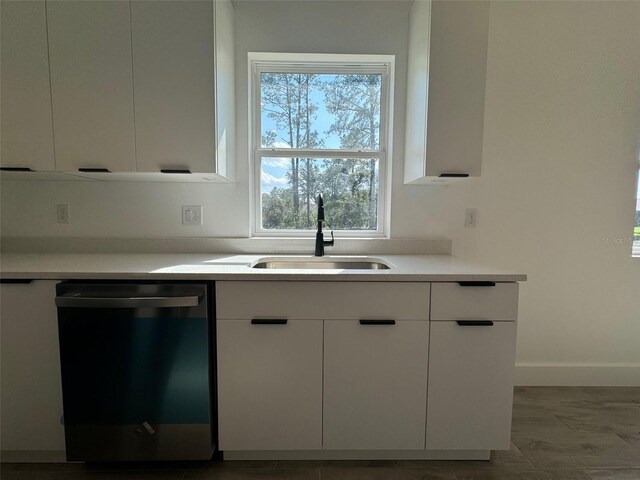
(470, 385)
(269, 385)
(375, 385)
(30, 385)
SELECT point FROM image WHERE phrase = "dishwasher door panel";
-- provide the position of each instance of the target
(136, 383)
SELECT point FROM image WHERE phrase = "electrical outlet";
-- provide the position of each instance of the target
(470, 217)
(63, 213)
(192, 214)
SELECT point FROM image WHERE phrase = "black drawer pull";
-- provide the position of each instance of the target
(453, 175)
(94, 170)
(477, 284)
(475, 323)
(15, 280)
(269, 321)
(16, 169)
(377, 322)
(175, 170)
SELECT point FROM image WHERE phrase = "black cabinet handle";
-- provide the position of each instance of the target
(16, 169)
(16, 280)
(475, 323)
(94, 170)
(453, 175)
(269, 321)
(377, 322)
(477, 284)
(175, 170)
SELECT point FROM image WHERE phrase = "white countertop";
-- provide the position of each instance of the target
(163, 266)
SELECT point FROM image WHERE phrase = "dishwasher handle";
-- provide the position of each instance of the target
(127, 302)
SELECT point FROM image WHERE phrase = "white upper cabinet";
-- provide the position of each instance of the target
(225, 81)
(173, 50)
(174, 71)
(26, 128)
(138, 87)
(91, 84)
(445, 90)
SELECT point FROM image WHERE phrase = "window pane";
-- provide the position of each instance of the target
(304, 110)
(289, 188)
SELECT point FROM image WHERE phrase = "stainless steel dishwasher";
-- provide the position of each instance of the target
(137, 370)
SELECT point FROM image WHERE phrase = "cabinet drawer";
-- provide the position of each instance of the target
(453, 301)
(323, 300)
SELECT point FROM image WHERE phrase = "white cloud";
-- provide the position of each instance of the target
(279, 162)
(269, 181)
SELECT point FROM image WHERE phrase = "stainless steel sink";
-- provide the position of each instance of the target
(321, 263)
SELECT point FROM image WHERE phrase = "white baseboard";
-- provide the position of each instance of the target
(577, 374)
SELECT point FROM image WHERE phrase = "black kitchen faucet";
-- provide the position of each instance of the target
(320, 241)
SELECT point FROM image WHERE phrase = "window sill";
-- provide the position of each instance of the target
(312, 235)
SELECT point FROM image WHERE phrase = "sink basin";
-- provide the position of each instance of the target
(302, 263)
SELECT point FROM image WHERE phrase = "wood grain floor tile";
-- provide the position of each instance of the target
(558, 433)
(615, 474)
(522, 475)
(255, 474)
(386, 474)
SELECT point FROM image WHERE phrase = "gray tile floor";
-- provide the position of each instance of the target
(559, 433)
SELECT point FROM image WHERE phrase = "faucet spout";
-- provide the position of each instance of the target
(320, 241)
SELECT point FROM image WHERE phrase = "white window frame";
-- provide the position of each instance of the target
(384, 65)
(635, 248)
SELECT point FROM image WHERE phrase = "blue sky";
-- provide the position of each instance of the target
(274, 169)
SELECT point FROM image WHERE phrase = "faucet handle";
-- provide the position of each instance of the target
(329, 243)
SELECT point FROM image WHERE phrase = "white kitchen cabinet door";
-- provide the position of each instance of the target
(91, 85)
(447, 64)
(27, 132)
(225, 83)
(173, 66)
(182, 60)
(470, 386)
(31, 389)
(375, 385)
(269, 385)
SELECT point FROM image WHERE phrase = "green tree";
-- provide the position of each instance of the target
(287, 101)
(345, 183)
(277, 208)
(349, 185)
(354, 100)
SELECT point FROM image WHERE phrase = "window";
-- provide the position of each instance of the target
(320, 124)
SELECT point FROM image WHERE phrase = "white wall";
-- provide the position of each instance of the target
(138, 210)
(562, 123)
